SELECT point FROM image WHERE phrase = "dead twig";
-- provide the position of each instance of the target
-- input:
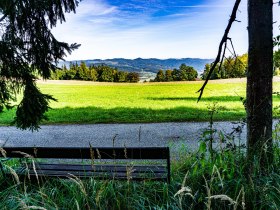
(224, 53)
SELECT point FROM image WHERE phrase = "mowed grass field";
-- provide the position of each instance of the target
(89, 102)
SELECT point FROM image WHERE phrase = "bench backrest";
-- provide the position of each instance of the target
(89, 153)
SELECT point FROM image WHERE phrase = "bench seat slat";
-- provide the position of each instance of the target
(98, 168)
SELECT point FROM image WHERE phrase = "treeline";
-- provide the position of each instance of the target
(237, 67)
(230, 68)
(100, 73)
(184, 73)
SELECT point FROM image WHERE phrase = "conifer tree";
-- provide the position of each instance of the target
(29, 48)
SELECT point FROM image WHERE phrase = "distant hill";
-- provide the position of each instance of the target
(147, 65)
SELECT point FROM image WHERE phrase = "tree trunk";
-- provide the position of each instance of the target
(259, 83)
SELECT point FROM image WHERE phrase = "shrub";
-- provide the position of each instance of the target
(121, 76)
(133, 77)
(160, 76)
(168, 76)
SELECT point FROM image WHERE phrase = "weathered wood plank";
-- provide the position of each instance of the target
(98, 168)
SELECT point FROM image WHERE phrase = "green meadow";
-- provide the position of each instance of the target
(89, 102)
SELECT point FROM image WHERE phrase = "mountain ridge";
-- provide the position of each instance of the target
(144, 64)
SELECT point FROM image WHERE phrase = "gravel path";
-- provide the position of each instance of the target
(102, 135)
(174, 135)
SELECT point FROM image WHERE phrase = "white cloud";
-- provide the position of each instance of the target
(105, 31)
(94, 8)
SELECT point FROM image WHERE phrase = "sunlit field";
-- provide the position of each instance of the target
(89, 102)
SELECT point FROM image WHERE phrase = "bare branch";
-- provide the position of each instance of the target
(235, 56)
(224, 39)
(224, 53)
(232, 47)
(229, 62)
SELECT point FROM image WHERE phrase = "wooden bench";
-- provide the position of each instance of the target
(119, 162)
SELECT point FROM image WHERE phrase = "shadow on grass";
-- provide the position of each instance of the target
(136, 115)
(214, 98)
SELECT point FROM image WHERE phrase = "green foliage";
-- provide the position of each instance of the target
(176, 75)
(184, 73)
(133, 77)
(107, 74)
(206, 71)
(28, 49)
(91, 74)
(230, 68)
(187, 73)
(160, 76)
(33, 102)
(276, 72)
(276, 62)
(121, 76)
(84, 72)
(276, 41)
(214, 75)
(168, 76)
(100, 73)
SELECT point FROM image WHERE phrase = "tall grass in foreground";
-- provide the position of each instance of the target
(197, 183)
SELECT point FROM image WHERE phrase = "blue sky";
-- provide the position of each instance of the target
(152, 28)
